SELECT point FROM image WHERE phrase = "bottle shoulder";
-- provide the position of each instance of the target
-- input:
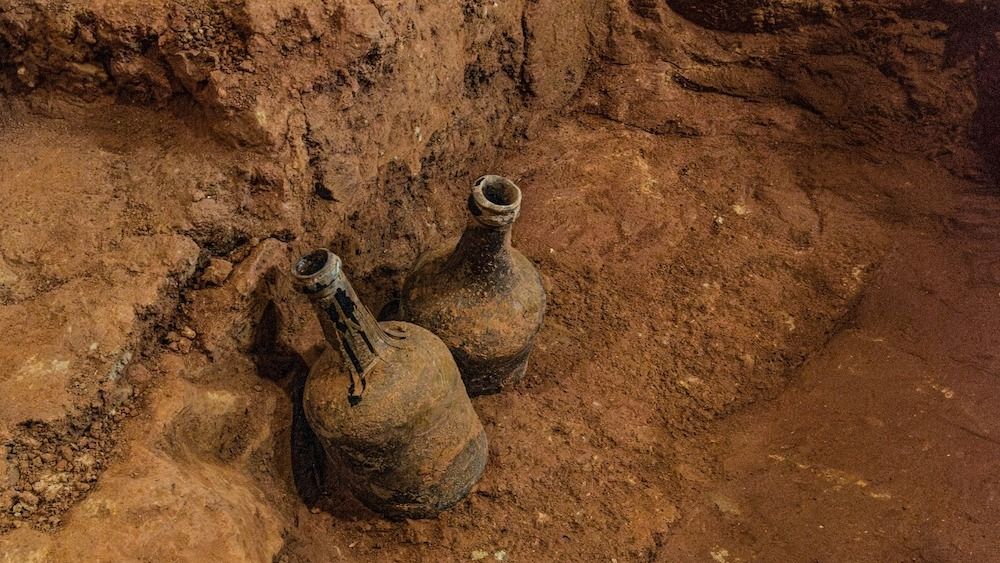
(409, 379)
(472, 315)
(436, 278)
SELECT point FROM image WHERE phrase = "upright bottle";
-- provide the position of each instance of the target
(480, 295)
(387, 403)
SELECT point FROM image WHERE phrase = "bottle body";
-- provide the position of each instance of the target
(387, 403)
(481, 296)
(412, 446)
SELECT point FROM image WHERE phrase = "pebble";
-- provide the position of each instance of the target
(181, 346)
(217, 271)
(139, 374)
(188, 332)
(6, 500)
(28, 499)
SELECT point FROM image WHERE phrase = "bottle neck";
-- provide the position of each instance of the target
(484, 252)
(347, 324)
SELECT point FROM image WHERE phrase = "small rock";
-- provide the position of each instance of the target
(217, 271)
(28, 499)
(479, 554)
(139, 374)
(188, 332)
(86, 461)
(266, 256)
(6, 500)
(197, 195)
(120, 394)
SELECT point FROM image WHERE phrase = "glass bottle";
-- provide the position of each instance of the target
(387, 403)
(480, 295)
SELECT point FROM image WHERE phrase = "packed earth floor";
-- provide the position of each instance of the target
(771, 255)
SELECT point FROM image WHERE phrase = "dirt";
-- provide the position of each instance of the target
(771, 257)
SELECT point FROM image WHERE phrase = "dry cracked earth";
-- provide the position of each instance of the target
(769, 231)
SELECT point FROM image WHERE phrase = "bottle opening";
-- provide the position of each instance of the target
(315, 271)
(312, 263)
(495, 201)
(502, 193)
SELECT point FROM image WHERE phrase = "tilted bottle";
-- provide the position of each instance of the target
(387, 403)
(480, 295)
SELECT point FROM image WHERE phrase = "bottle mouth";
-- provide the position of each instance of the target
(495, 201)
(316, 270)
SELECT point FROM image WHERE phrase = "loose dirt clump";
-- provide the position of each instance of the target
(53, 466)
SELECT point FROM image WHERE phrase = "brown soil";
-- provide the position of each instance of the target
(772, 261)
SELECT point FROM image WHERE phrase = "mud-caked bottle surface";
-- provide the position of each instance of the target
(480, 295)
(387, 403)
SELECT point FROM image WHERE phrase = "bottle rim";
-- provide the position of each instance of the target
(316, 270)
(495, 200)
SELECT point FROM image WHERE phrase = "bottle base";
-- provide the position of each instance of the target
(488, 377)
(461, 476)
